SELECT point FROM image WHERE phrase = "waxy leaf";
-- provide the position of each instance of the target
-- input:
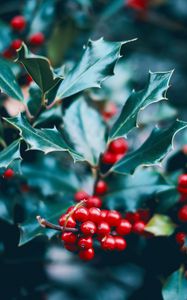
(155, 91)
(160, 225)
(175, 287)
(96, 64)
(85, 129)
(8, 82)
(46, 140)
(152, 151)
(39, 68)
(10, 154)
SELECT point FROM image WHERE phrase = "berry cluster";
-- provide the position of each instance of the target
(116, 150)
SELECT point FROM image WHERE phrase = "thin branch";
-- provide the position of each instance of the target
(46, 224)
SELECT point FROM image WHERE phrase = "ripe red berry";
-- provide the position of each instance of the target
(108, 243)
(119, 156)
(113, 217)
(103, 228)
(132, 217)
(81, 214)
(180, 238)
(9, 53)
(80, 195)
(109, 158)
(71, 247)
(118, 146)
(182, 180)
(70, 209)
(18, 23)
(87, 254)
(88, 228)
(9, 173)
(94, 214)
(104, 213)
(70, 223)
(37, 39)
(69, 237)
(182, 214)
(120, 243)
(94, 201)
(138, 227)
(182, 190)
(85, 242)
(137, 4)
(144, 215)
(124, 227)
(101, 187)
(16, 44)
(109, 111)
(28, 79)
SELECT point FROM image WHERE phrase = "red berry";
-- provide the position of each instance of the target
(9, 173)
(70, 209)
(80, 195)
(138, 227)
(119, 156)
(87, 254)
(9, 53)
(69, 237)
(85, 242)
(88, 228)
(94, 201)
(70, 223)
(37, 39)
(94, 214)
(182, 190)
(132, 217)
(120, 243)
(180, 238)
(182, 214)
(138, 4)
(103, 228)
(18, 23)
(108, 243)
(124, 227)
(118, 146)
(113, 217)
(183, 198)
(101, 187)
(71, 247)
(16, 44)
(109, 111)
(144, 215)
(109, 158)
(81, 214)
(182, 180)
(28, 79)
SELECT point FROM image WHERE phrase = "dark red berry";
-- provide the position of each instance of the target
(108, 243)
(118, 146)
(101, 187)
(70, 209)
(180, 238)
(94, 201)
(120, 243)
(144, 215)
(113, 217)
(81, 214)
(80, 195)
(124, 227)
(9, 53)
(182, 190)
(94, 214)
(16, 44)
(37, 39)
(69, 237)
(182, 180)
(182, 214)
(137, 4)
(87, 254)
(103, 228)
(138, 227)
(109, 111)
(132, 217)
(18, 23)
(88, 228)
(28, 79)
(8, 174)
(70, 223)
(109, 158)
(85, 242)
(71, 247)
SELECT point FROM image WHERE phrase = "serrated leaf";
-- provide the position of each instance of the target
(160, 225)
(85, 129)
(8, 82)
(46, 140)
(132, 192)
(10, 154)
(155, 91)
(39, 68)
(175, 287)
(153, 150)
(96, 64)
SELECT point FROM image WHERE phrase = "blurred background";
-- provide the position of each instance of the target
(43, 270)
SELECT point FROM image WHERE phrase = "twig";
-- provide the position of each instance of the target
(46, 224)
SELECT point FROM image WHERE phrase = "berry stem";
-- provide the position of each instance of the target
(46, 224)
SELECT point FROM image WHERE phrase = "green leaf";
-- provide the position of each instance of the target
(46, 140)
(10, 154)
(175, 287)
(160, 225)
(155, 91)
(96, 64)
(153, 150)
(5, 36)
(132, 192)
(8, 82)
(39, 68)
(85, 129)
(34, 100)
